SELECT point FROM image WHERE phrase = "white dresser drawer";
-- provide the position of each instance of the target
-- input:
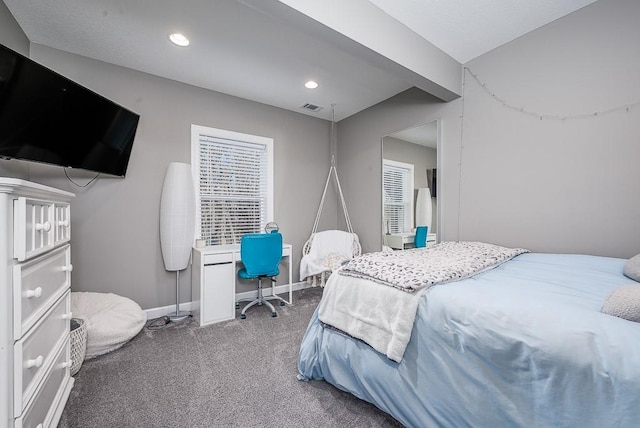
(35, 272)
(33, 227)
(37, 284)
(44, 409)
(62, 223)
(212, 259)
(34, 353)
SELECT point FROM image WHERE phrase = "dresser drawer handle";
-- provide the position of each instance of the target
(67, 316)
(67, 268)
(36, 362)
(33, 293)
(63, 223)
(67, 364)
(46, 226)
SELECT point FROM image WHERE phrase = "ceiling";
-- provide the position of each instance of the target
(423, 135)
(466, 29)
(263, 50)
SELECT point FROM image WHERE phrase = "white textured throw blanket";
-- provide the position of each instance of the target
(328, 248)
(381, 315)
(411, 270)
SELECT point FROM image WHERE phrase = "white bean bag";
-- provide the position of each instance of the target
(111, 320)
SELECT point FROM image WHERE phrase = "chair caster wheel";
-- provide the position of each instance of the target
(274, 314)
(281, 303)
(243, 316)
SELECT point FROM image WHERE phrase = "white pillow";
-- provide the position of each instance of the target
(624, 302)
(632, 268)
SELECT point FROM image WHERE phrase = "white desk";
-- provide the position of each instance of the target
(401, 241)
(214, 278)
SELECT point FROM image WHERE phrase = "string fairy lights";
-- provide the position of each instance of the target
(625, 107)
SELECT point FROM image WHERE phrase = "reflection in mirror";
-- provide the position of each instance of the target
(409, 195)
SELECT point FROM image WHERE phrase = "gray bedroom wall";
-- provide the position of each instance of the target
(115, 237)
(11, 35)
(421, 157)
(549, 185)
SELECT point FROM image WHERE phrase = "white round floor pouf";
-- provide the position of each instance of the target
(111, 320)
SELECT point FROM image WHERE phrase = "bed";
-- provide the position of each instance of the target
(521, 343)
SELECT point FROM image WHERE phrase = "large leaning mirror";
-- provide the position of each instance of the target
(409, 186)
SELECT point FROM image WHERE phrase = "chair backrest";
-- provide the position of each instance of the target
(421, 236)
(261, 253)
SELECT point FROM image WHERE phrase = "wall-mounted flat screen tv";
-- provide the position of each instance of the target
(45, 117)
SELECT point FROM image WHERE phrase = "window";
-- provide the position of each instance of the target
(397, 190)
(233, 176)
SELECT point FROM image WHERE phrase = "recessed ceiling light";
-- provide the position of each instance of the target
(311, 84)
(179, 39)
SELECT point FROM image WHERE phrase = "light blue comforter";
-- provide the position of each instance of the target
(524, 344)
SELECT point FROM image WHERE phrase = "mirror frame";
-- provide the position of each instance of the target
(439, 176)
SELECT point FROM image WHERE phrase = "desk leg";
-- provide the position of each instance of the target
(290, 282)
(286, 259)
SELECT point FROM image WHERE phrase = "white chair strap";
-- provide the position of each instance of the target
(332, 170)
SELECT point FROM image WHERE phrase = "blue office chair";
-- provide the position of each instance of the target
(421, 236)
(260, 254)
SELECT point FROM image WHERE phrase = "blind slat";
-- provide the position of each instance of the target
(398, 196)
(233, 189)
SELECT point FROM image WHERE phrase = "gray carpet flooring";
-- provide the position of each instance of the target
(239, 373)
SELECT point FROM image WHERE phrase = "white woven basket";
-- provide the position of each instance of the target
(78, 344)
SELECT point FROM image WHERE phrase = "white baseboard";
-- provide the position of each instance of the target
(167, 310)
(187, 306)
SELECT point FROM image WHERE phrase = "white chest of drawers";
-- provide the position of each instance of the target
(35, 307)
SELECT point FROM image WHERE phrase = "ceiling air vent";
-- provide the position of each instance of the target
(312, 107)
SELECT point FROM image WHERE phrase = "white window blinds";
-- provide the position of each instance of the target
(234, 184)
(397, 183)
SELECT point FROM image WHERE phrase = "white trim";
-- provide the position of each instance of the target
(410, 167)
(188, 306)
(440, 180)
(167, 310)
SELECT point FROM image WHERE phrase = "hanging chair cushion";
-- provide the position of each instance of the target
(111, 320)
(327, 250)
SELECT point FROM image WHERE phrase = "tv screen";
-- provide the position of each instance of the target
(45, 117)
